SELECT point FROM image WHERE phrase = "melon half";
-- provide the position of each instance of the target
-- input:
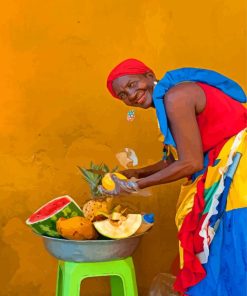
(43, 221)
(119, 230)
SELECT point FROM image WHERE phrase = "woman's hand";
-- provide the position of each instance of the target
(130, 173)
(121, 187)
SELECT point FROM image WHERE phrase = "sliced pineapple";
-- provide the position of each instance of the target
(93, 209)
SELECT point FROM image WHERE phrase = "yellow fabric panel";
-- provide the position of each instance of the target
(173, 151)
(181, 256)
(185, 201)
(237, 197)
(213, 174)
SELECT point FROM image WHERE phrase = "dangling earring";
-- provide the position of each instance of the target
(155, 83)
(131, 115)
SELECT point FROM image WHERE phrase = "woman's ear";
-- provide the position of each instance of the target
(150, 75)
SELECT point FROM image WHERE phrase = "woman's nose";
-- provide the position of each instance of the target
(131, 95)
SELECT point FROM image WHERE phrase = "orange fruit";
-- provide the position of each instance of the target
(108, 183)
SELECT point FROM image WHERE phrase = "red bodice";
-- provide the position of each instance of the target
(221, 118)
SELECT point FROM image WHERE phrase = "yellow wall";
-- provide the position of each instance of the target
(56, 113)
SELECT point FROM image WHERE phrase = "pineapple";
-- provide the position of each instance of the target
(97, 209)
(94, 208)
(95, 179)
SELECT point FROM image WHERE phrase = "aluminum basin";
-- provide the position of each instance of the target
(91, 250)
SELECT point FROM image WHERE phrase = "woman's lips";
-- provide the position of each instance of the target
(142, 99)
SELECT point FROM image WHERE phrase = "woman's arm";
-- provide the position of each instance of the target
(154, 168)
(181, 103)
(148, 170)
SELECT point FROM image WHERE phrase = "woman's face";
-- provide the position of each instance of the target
(135, 90)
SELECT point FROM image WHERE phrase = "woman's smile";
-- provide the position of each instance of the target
(142, 99)
(135, 90)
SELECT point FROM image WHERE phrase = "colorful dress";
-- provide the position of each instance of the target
(212, 207)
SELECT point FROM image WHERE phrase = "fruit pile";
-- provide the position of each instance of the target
(63, 218)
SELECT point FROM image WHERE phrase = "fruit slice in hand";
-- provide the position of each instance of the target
(108, 183)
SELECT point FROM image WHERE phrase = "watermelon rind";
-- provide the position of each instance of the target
(126, 229)
(47, 226)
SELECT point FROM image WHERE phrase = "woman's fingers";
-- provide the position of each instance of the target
(128, 186)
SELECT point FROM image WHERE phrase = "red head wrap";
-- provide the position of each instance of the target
(127, 67)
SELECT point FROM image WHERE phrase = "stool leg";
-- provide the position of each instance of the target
(129, 278)
(71, 281)
(129, 283)
(59, 280)
(117, 288)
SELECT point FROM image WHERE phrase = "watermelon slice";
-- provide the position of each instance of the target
(43, 221)
(120, 229)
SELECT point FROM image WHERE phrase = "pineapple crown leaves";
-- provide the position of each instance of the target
(94, 179)
(90, 177)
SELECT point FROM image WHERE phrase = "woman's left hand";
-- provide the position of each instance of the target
(121, 187)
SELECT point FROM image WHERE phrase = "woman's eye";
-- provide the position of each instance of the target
(123, 96)
(132, 84)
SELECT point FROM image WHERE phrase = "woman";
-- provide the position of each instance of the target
(203, 121)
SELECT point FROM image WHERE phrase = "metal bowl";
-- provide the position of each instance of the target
(91, 250)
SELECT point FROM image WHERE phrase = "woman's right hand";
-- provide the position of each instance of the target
(130, 173)
(122, 187)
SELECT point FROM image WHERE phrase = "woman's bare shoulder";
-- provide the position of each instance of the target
(186, 93)
(184, 88)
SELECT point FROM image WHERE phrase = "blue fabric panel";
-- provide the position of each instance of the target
(227, 266)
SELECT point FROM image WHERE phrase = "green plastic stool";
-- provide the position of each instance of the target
(121, 272)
